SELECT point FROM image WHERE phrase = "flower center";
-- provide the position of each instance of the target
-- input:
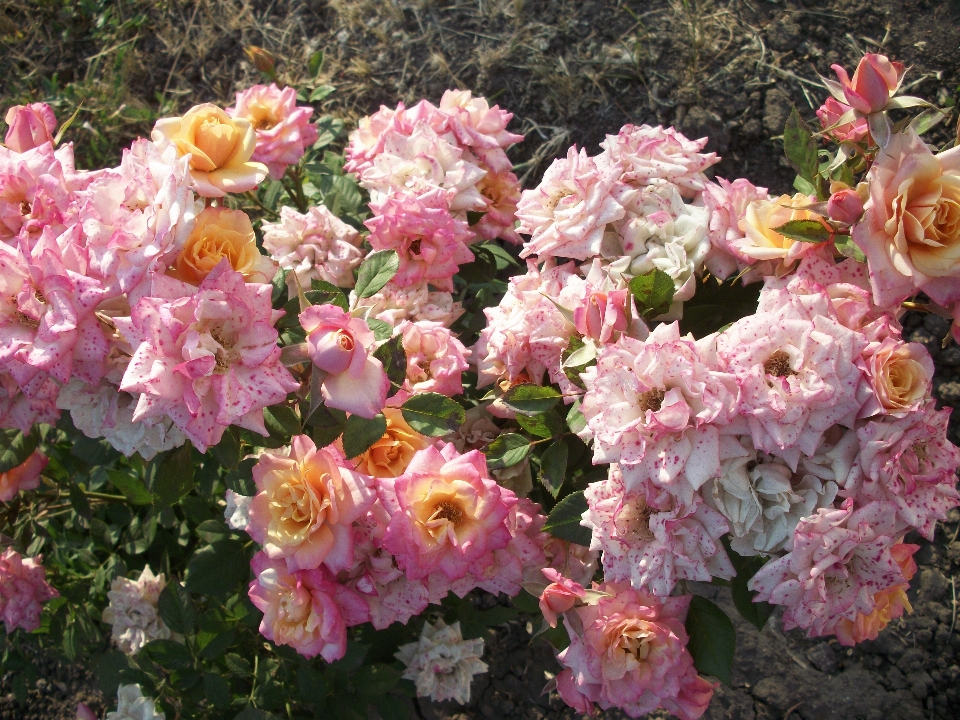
(225, 355)
(651, 400)
(446, 510)
(415, 247)
(633, 520)
(778, 365)
(555, 199)
(345, 341)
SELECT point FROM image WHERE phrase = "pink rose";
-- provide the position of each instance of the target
(436, 360)
(845, 206)
(910, 230)
(900, 375)
(307, 610)
(283, 129)
(430, 242)
(25, 476)
(632, 654)
(727, 203)
(830, 113)
(567, 688)
(205, 356)
(874, 82)
(559, 596)
(30, 126)
(340, 346)
(23, 587)
(840, 559)
(445, 513)
(306, 503)
(85, 713)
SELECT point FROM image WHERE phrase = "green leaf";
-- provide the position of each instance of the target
(381, 330)
(713, 640)
(252, 713)
(217, 569)
(80, 503)
(311, 685)
(360, 433)
(218, 645)
(473, 217)
(240, 480)
(227, 451)
(575, 418)
(325, 425)
(756, 613)
(131, 487)
(553, 466)
(390, 707)
(168, 654)
(281, 421)
(375, 679)
(107, 669)
(804, 186)
(319, 93)
(376, 271)
(653, 293)
(848, 248)
(545, 426)
(812, 231)
(173, 477)
(176, 609)
(433, 414)
(564, 519)
(501, 255)
(216, 690)
(16, 448)
(315, 63)
(394, 359)
(507, 450)
(529, 399)
(800, 148)
(526, 603)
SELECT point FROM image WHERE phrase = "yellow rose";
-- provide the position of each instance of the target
(222, 233)
(389, 456)
(220, 148)
(762, 243)
(901, 374)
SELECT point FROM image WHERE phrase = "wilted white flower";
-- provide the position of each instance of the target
(764, 499)
(395, 304)
(133, 705)
(103, 411)
(133, 611)
(237, 512)
(442, 663)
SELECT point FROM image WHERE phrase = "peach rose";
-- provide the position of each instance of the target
(305, 506)
(217, 234)
(219, 146)
(389, 456)
(761, 243)
(900, 375)
(910, 231)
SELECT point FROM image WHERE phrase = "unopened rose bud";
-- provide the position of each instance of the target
(845, 206)
(602, 314)
(30, 126)
(559, 596)
(85, 713)
(874, 82)
(262, 60)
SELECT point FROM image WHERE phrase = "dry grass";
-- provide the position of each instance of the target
(569, 69)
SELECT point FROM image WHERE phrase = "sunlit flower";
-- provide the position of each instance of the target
(133, 611)
(306, 502)
(391, 454)
(25, 476)
(221, 233)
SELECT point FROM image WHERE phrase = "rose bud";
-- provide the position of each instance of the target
(338, 344)
(30, 126)
(559, 596)
(845, 206)
(831, 112)
(874, 82)
(602, 314)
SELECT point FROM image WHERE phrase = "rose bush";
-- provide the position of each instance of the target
(335, 398)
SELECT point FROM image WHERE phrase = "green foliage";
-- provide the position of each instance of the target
(433, 414)
(16, 447)
(811, 231)
(531, 399)
(376, 271)
(653, 293)
(360, 433)
(713, 639)
(507, 450)
(564, 519)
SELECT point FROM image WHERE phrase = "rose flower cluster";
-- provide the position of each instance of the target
(138, 300)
